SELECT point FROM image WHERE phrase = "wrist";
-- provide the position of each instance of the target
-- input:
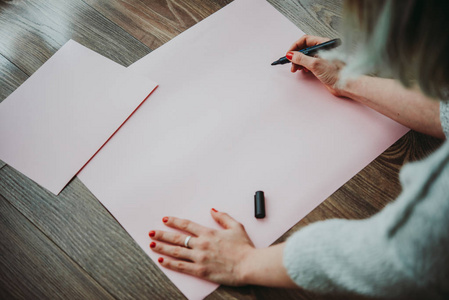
(265, 267)
(356, 89)
(340, 91)
(348, 89)
(246, 267)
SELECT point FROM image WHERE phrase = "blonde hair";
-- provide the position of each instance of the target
(405, 39)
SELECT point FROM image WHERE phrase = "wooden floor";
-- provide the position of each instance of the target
(69, 246)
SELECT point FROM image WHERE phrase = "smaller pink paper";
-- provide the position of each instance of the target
(56, 121)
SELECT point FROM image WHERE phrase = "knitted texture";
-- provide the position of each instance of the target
(444, 117)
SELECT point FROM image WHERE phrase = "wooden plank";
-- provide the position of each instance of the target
(33, 267)
(86, 232)
(156, 22)
(32, 30)
(319, 17)
(12, 77)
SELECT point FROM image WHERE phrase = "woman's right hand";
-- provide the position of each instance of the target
(326, 71)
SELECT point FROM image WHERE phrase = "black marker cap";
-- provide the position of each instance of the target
(259, 205)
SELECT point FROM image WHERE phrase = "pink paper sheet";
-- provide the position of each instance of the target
(61, 116)
(223, 124)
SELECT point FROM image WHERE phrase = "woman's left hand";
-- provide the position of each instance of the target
(214, 255)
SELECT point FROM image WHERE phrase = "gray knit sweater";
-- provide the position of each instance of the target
(402, 251)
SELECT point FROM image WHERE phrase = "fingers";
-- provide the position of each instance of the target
(174, 238)
(184, 267)
(184, 225)
(301, 61)
(295, 68)
(172, 251)
(307, 41)
(225, 220)
(212, 254)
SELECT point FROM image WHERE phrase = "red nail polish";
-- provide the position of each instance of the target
(214, 210)
(160, 260)
(152, 233)
(152, 245)
(289, 55)
(165, 219)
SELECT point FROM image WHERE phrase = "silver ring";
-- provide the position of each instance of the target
(186, 241)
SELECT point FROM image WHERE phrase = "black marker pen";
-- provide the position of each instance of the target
(311, 51)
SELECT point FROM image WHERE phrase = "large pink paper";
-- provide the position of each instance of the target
(61, 116)
(224, 124)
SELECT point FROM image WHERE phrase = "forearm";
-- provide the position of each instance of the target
(406, 106)
(265, 267)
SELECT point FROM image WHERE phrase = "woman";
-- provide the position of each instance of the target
(403, 251)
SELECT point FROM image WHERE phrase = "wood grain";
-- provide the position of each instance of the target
(12, 77)
(156, 22)
(32, 30)
(32, 267)
(77, 222)
(319, 17)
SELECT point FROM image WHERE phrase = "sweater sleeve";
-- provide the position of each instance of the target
(400, 251)
(444, 117)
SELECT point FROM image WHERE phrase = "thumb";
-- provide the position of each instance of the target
(301, 59)
(225, 220)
